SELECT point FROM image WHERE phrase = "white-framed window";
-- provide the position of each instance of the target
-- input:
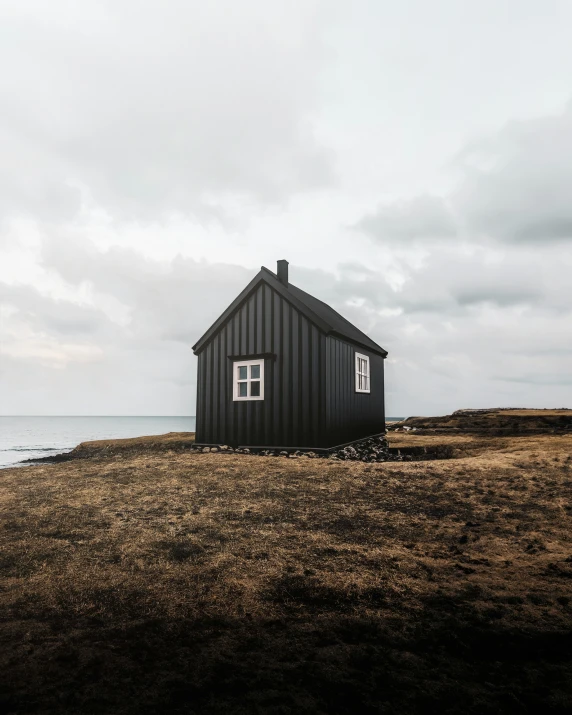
(248, 380)
(362, 373)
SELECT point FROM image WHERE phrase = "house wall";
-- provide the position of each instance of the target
(292, 413)
(350, 414)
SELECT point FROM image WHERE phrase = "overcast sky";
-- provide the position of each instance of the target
(412, 160)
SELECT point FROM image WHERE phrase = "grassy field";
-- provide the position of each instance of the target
(148, 579)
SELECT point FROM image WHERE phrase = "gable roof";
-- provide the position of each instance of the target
(321, 314)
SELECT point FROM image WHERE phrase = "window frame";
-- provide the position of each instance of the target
(236, 382)
(366, 374)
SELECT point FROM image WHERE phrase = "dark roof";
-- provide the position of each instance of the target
(318, 312)
(338, 324)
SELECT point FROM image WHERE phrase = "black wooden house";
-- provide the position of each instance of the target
(281, 369)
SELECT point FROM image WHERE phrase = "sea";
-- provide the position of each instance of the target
(24, 438)
(32, 437)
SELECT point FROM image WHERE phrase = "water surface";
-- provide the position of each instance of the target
(31, 437)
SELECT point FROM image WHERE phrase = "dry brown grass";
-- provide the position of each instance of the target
(177, 582)
(526, 413)
(134, 446)
(411, 439)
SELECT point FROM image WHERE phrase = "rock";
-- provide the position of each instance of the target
(372, 449)
(214, 449)
(206, 449)
(224, 448)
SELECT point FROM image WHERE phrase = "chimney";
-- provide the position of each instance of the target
(282, 271)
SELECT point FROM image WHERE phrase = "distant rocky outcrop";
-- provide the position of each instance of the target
(493, 422)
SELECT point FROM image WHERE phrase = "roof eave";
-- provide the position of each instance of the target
(377, 349)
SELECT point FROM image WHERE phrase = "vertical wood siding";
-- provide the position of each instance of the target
(292, 413)
(350, 414)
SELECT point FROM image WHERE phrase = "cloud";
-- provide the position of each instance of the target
(561, 379)
(514, 187)
(452, 283)
(173, 300)
(145, 112)
(461, 320)
(44, 313)
(517, 185)
(420, 218)
(122, 333)
(120, 341)
(138, 139)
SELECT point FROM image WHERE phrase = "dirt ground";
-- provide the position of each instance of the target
(158, 580)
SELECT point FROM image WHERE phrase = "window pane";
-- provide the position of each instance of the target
(242, 372)
(255, 372)
(255, 389)
(243, 389)
(360, 382)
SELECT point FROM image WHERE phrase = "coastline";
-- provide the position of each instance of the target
(494, 421)
(45, 440)
(23, 437)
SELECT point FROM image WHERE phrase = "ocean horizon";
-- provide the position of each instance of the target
(32, 436)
